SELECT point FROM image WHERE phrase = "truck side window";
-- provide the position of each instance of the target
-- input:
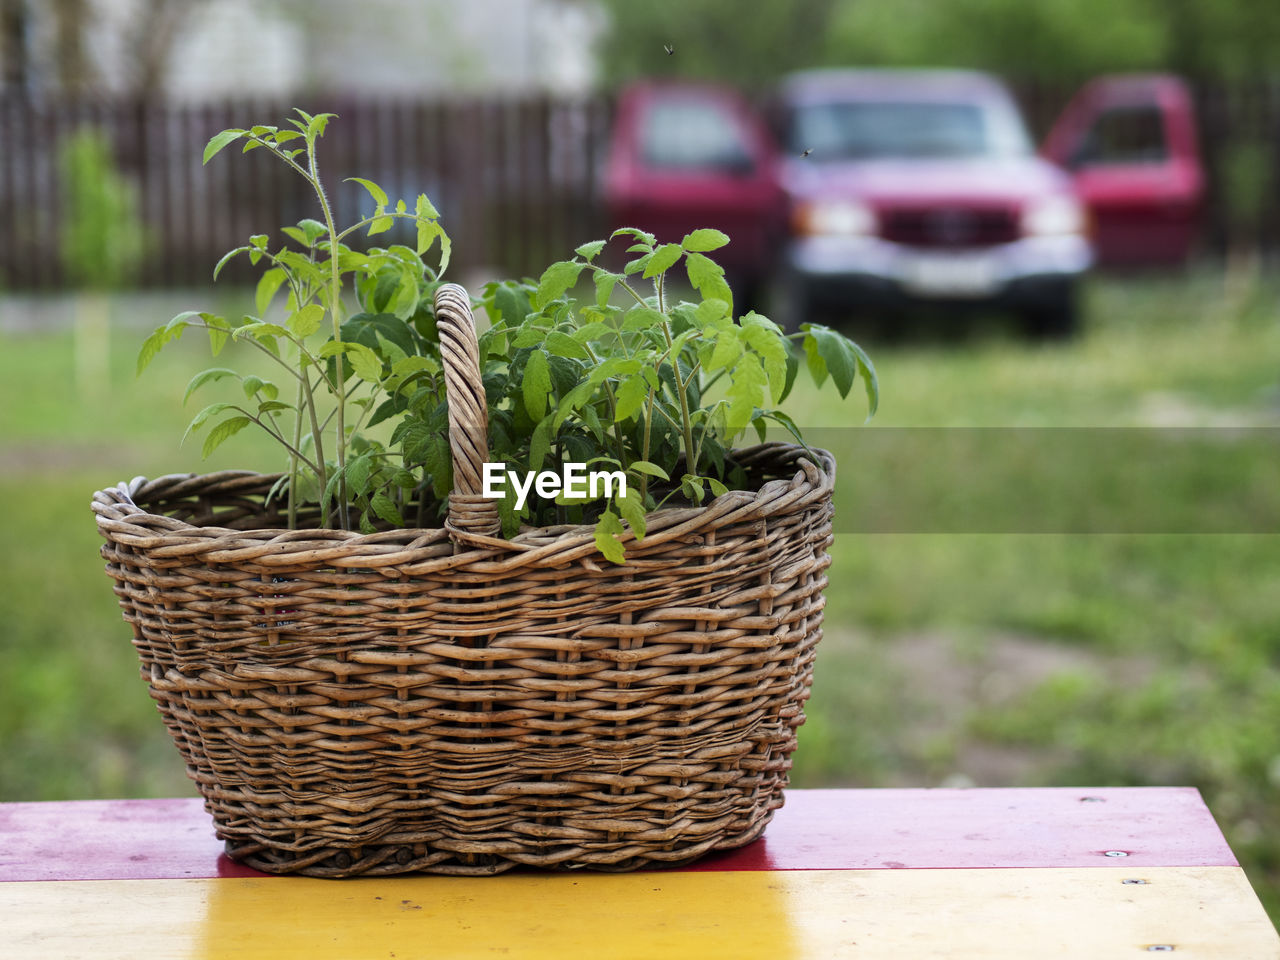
(1124, 136)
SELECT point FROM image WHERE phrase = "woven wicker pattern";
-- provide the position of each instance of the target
(443, 700)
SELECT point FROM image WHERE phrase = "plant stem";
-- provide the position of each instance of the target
(335, 311)
(294, 459)
(690, 465)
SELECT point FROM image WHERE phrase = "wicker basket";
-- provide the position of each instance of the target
(444, 700)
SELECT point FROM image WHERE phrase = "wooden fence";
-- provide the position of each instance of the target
(515, 178)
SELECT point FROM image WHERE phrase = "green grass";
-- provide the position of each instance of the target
(997, 659)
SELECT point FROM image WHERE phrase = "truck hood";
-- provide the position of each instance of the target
(923, 182)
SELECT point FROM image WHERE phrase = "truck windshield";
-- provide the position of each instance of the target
(867, 130)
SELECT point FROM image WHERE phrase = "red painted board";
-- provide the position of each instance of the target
(816, 830)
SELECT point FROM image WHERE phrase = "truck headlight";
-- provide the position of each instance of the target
(1053, 216)
(834, 217)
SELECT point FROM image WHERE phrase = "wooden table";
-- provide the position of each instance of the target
(1063, 872)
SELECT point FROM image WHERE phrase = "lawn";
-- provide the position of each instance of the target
(977, 636)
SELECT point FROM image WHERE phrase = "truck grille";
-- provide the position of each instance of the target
(949, 227)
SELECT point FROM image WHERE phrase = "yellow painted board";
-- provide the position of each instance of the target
(1205, 912)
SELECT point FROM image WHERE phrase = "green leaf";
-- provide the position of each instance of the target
(646, 238)
(555, 280)
(268, 284)
(366, 363)
(540, 443)
(643, 318)
(423, 207)
(222, 432)
(358, 471)
(199, 420)
(226, 257)
(834, 354)
(219, 331)
(428, 230)
(727, 350)
(766, 339)
(252, 385)
(562, 345)
(632, 509)
(220, 140)
(717, 488)
(707, 277)
(630, 398)
(307, 320)
(608, 528)
(701, 241)
(745, 391)
(605, 282)
(869, 379)
(537, 384)
(663, 259)
(206, 376)
(588, 251)
(386, 510)
(652, 469)
(379, 195)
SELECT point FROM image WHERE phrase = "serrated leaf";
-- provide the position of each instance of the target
(253, 385)
(366, 363)
(537, 384)
(745, 390)
(218, 141)
(836, 355)
(589, 251)
(540, 443)
(663, 259)
(642, 236)
(221, 433)
(605, 282)
(268, 284)
(201, 418)
(219, 331)
(643, 318)
(869, 379)
(358, 471)
(206, 376)
(707, 278)
(630, 398)
(385, 508)
(562, 345)
(701, 241)
(306, 321)
(727, 350)
(632, 509)
(226, 258)
(608, 528)
(555, 280)
(651, 469)
(379, 195)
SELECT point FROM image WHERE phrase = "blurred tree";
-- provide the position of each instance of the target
(1047, 39)
(13, 44)
(748, 45)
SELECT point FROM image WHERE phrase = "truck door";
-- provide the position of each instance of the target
(1130, 145)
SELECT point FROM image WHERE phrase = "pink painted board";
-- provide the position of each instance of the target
(816, 830)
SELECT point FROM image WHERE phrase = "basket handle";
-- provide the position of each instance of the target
(470, 515)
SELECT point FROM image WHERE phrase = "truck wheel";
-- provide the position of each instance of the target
(1056, 318)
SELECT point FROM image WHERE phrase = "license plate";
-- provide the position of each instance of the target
(949, 276)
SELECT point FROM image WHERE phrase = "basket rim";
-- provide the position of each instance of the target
(120, 519)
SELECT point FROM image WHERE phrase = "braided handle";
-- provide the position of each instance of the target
(470, 515)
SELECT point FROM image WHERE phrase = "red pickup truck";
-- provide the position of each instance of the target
(893, 189)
